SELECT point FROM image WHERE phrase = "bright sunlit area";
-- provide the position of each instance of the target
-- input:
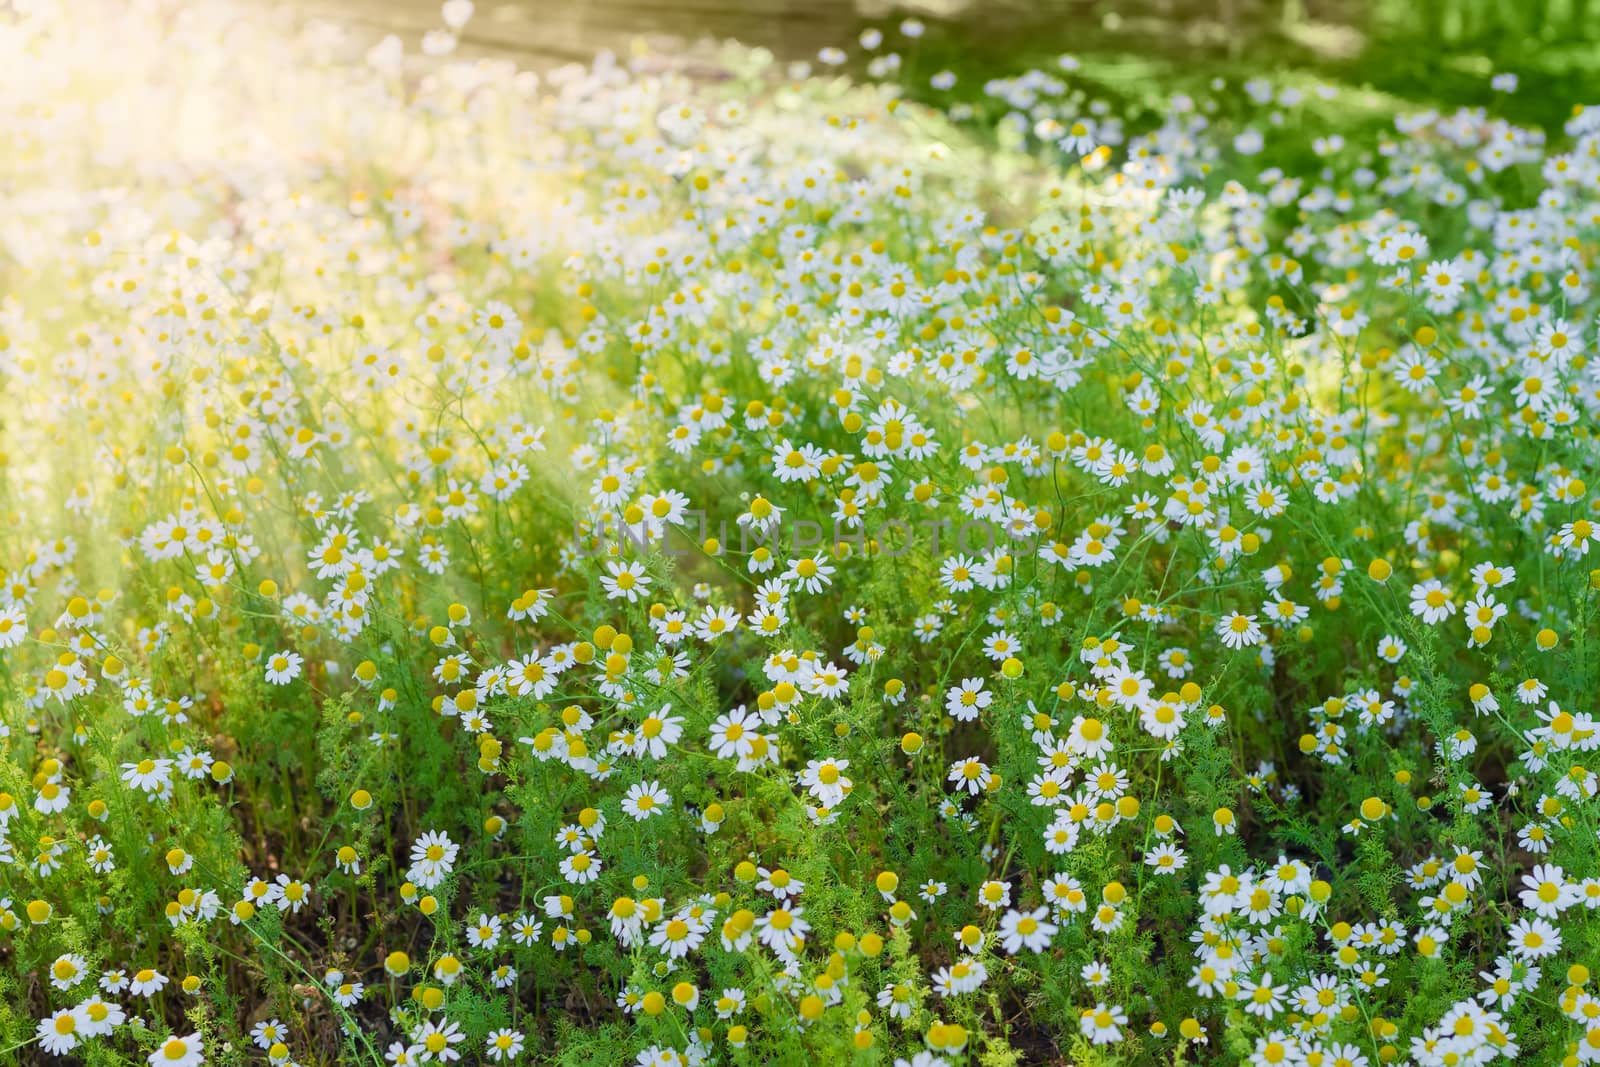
(672, 533)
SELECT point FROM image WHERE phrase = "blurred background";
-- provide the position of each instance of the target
(1423, 52)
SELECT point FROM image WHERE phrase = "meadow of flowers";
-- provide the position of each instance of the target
(634, 565)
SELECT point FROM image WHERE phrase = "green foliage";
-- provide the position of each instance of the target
(1134, 672)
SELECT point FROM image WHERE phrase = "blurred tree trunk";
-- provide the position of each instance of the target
(1228, 14)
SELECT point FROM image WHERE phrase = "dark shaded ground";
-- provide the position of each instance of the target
(1423, 52)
